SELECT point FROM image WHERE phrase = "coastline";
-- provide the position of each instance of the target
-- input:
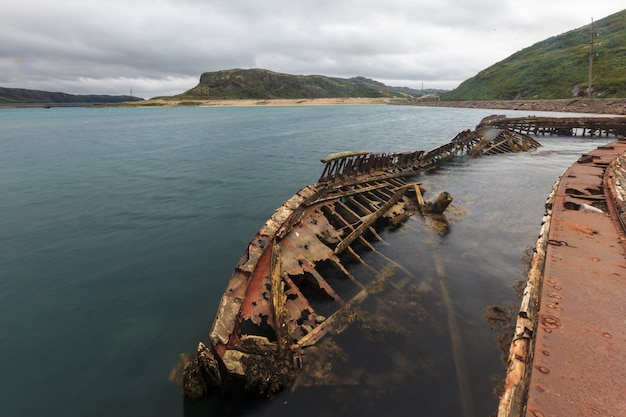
(337, 101)
(613, 106)
(172, 102)
(609, 106)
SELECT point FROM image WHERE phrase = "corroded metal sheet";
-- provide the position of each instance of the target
(579, 366)
(294, 282)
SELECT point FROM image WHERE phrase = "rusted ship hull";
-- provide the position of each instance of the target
(559, 126)
(293, 283)
(567, 354)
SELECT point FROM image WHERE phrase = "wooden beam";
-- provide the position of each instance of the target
(322, 283)
(370, 220)
(278, 301)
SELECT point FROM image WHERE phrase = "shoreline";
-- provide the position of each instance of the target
(159, 102)
(608, 106)
(614, 106)
(337, 101)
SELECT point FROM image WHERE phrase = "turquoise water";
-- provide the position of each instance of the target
(120, 228)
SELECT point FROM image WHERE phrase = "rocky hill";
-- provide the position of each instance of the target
(557, 68)
(265, 84)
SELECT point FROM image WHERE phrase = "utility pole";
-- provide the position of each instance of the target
(592, 34)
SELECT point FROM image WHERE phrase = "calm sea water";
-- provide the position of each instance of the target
(120, 228)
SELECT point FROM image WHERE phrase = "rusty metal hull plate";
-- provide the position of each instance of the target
(579, 365)
(293, 283)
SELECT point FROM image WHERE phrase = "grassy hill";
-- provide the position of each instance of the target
(21, 96)
(265, 84)
(556, 68)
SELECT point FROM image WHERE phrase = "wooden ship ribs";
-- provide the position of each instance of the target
(559, 126)
(294, 279)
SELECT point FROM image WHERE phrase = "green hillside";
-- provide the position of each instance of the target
(265, 84)
(556, 68)
(19, 96)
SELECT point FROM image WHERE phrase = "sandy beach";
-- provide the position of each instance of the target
(614, 106)
(274, 102)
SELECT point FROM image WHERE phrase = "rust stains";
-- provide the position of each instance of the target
(564, 359)
(294, 282)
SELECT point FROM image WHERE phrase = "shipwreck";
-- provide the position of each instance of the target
(295, 282)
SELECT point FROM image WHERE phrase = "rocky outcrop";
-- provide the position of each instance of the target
(615, 106)
(262, 84)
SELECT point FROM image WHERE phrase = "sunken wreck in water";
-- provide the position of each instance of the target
(295, 283)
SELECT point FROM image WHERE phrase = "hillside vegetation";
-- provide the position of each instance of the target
(265, 84)
(556, 68)
(17, 96)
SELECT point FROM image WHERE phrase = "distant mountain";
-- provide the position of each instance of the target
(265, 84)
(20, 96)
(557, 68)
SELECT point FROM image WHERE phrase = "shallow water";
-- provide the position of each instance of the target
(120, 228)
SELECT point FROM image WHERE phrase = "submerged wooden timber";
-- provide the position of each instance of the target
(294, 283)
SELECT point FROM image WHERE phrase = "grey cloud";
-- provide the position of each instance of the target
(98, 47)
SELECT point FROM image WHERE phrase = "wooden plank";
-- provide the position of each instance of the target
(418, 194)
(350, 225)
(369, 221)
(320, 331)
(322, 283)
(358, 206)
(346, 214)
(278, 301)
(337, 264)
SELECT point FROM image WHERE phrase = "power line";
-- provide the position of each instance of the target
(592, 34)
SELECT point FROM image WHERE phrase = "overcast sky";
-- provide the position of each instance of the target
(160, 47)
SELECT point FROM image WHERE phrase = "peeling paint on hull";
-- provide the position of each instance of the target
(567, 354)
(293, 284)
